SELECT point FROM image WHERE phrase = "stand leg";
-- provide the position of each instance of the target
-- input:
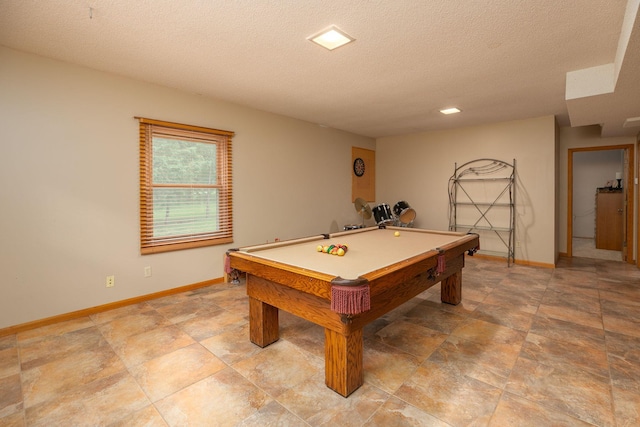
(343, 358)
(451, 289)
(263, 323)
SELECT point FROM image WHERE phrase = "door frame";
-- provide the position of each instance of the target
(628, 185)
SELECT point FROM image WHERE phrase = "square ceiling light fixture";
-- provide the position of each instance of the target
(452, 110)
(331, 38)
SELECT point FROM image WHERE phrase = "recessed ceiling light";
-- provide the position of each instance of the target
(331, 38)
(450, 110)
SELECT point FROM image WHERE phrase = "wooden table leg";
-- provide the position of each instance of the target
(451, 289)
(343, 365)
(263, 323)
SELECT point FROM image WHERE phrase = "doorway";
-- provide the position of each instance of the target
(593, 179)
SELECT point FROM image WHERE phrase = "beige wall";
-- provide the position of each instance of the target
(69, 174)
(416, 168)
(587, 136)
(69, 192)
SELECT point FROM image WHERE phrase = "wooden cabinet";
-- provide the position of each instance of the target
(609, 212)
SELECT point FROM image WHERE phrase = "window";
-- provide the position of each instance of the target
(185, 186)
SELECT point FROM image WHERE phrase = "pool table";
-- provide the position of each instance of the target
(379, 271)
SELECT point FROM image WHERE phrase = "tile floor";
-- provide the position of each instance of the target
(586, 248)
(526, 347)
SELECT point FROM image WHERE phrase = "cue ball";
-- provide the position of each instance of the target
(397, 233)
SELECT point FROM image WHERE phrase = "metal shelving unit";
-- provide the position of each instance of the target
(482, 200)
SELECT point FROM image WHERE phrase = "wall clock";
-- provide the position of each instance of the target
(358, 166)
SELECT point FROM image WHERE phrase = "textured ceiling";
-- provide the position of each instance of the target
(496, 60)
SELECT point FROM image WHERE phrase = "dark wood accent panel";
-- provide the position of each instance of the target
(364, 186)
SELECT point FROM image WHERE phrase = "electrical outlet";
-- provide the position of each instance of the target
(147, 271)
(517, 244)
(111, 281)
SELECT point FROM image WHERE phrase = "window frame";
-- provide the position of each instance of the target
(150, 244)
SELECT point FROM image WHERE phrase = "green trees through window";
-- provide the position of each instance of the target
(188, 204)
(185, 186)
